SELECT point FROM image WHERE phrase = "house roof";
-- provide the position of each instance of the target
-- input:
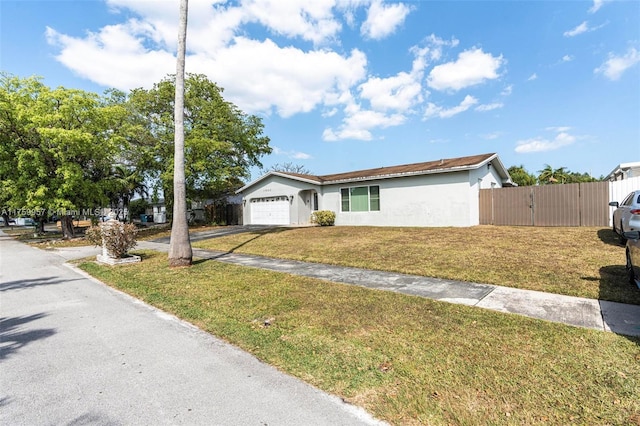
(621, 168)
(445, 165)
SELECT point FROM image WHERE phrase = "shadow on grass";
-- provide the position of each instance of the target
(615, 286)
(607, 236)
(13, 339)
(260, 233)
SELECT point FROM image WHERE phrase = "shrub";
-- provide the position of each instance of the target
(118, 238)
(323, 217)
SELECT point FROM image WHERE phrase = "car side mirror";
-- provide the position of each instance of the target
(631, 235)
(614, 204)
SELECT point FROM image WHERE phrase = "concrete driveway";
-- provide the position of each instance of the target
(75, 352)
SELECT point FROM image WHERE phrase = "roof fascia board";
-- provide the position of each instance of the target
(272, 173)
(494, 159)
(398, 175)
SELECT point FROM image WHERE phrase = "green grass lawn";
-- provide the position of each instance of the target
(405, 359)
(586, 262)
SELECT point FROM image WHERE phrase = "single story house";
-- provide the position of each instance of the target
(436, 193)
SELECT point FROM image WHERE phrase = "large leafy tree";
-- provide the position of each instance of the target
(221, 143)
(56, 149)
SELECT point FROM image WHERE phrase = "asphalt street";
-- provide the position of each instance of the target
(76, 352)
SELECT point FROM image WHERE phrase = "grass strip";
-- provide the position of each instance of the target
(405, 359)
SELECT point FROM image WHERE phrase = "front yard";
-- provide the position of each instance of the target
(405, 359)
(586, 262)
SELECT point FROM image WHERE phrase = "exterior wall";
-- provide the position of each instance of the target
(481, 178)
(427, 200)
(275, 186)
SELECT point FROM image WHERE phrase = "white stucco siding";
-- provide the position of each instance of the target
(481, 178)
(429, 200)
(277, 186)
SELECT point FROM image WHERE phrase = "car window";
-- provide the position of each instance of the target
(627, 201)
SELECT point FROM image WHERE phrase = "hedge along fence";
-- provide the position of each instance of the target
(576, 204)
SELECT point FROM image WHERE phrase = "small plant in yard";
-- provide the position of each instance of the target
(118, 238)
(323, 217)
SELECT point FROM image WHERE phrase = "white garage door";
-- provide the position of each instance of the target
(270, 211)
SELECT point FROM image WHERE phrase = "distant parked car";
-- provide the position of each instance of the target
(626, 216)
(25, 221)
(11, 221)
(633, 256)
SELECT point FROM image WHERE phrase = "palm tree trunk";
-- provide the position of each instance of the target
(180, 252)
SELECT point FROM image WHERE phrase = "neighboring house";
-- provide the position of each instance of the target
(624, 171)
(436, 193)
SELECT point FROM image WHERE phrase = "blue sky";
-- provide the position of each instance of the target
(353, 84)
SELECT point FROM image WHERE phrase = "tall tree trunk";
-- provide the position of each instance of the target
(180, 252)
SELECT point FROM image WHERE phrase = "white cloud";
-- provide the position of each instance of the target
(437, 111)
(541, 144)
(295, 72)
(261, 75)
(491, 136)
(296, 155)
(597, 4)
(567, 58)
(399, 92)
(507, 91)
(310, 20)
(582, 28)
(359, 123)
(382, 20)
(113, 57)
(615, 66)
(489, 107)
(472, 67)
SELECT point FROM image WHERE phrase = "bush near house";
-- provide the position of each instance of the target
(323, 217)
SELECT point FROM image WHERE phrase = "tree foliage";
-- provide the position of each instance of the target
(548, 176)
(67, 150)
(221, 142)
(56, 148)
(521, 177)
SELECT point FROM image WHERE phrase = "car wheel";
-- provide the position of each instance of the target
(629, 267)
(623, 240)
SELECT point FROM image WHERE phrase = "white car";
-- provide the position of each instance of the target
(626, 216)
(633, 256)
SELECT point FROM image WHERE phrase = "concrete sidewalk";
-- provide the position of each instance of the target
(577, 311)
(76, 352)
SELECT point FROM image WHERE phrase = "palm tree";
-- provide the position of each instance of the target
(180, 252)
(127, 182)
(549, 175)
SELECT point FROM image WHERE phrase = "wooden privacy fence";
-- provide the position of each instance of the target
(576, 204)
